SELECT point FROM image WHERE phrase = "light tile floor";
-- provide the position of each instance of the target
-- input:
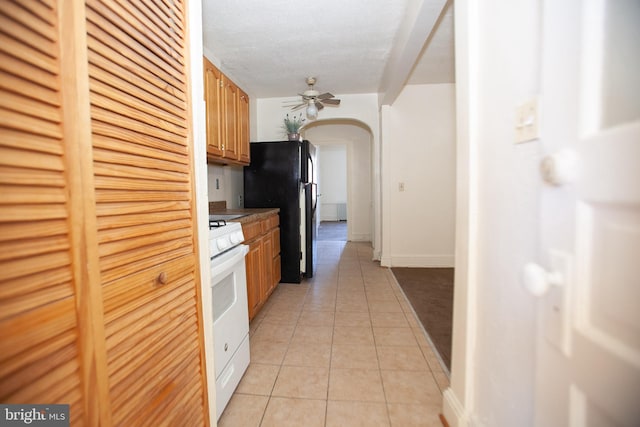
(341, 349)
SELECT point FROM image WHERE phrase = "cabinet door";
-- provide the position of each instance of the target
(242, 121)
(267, 285)
(142, 153)
(47, 349)
(276, 273)
(253, 262)
(213, 101)
(230, 139)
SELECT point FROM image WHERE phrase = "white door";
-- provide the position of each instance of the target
(589, 327)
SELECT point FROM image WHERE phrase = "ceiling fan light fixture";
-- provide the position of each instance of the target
(312, 110)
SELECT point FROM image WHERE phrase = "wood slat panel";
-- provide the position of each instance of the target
(17, 195)
(133, 289)
(40, 263)
(27, 54)
(167, 238)
(16, 13)
(149, 337)
(173, 407)
(23, 378)
(166, 19)
(111, 196)
(127, 123)
(30, 177)
(151, 384)
(158, 120)
(27, 36)
(16, 139)
(27, 230)
(124, 93)
(115, 29)
(141, 173)
(162, 148)
(30, 161)
(35, 246)
(13, 66)
(43, 296)
(35, 212)
(110, 150)
(163, 36)
(36, 353)
(29, 106)
(117, 221)
(57, 382)
(111, 209)
(42, 10)
(14, 120)
(157, 91)
(26, 331)
(129, 262)
(33, 281)
(34, 90)
(144, 201)
(143, 230)
(147, 306)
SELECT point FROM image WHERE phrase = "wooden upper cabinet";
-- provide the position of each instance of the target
(230, 112)
(227, 118)
(243, 127)
(100, 303)
(213, 101)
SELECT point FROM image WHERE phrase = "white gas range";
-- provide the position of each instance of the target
(230, 308)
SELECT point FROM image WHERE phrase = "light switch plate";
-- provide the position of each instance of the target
(527, 121)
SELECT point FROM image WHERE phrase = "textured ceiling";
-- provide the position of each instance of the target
(270, 46)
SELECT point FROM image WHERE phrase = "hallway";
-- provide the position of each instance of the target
(341, 349)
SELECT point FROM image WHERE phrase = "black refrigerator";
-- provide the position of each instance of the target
(283, 174)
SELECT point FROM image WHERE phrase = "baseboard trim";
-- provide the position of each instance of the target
(360, 237)
(452, 409)
(422, 261)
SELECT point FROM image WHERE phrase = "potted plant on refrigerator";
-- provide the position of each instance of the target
(292, 127)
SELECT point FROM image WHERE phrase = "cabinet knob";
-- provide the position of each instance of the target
(163, 278)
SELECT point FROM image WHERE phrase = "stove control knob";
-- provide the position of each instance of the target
(237, 237)
(222, 243)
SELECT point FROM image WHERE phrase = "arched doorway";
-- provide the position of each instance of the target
(357, 137)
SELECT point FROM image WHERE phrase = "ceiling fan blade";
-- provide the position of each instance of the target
(319, 105)
(325, 95)
(297, 107)
(331, 101)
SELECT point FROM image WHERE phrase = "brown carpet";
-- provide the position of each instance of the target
(430, 292)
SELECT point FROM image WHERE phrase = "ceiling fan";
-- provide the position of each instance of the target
(314, 100)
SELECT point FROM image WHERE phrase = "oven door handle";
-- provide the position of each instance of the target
(226, 262)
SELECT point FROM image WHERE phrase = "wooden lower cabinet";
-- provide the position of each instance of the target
(263, 260)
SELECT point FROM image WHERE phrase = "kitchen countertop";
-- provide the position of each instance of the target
(252, 214)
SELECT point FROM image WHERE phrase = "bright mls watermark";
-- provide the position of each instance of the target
(34, 415)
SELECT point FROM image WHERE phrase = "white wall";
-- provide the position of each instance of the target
(226, 183)
(332, 179)
(493, 366)
(419, 154)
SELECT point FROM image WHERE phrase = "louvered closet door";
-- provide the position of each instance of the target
(39, 336)
(144, 203)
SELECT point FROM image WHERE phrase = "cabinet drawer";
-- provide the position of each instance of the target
(251, 230)
(272, 221)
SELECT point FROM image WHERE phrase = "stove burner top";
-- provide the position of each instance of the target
(217, 223)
